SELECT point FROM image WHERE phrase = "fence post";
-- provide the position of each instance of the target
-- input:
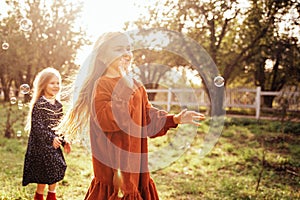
(169, 99)
(257, 102)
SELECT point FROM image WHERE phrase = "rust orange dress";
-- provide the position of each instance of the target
(122, 120)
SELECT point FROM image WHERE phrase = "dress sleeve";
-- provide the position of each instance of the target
(39, 127)
(158, 121)
(109, 104)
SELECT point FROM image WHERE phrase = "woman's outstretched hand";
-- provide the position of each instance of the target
(188, 117)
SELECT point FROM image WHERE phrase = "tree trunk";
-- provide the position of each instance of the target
(28, 80)
(8, 133)
(268, 101)
(6, 94)
(151, 96)
(8, 130)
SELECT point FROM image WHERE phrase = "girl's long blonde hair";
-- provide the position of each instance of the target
(76, 120)
(39, 85)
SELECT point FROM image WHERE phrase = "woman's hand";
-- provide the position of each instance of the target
(188, 117)
(56, 142)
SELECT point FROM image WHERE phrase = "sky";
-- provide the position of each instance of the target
(100, 16)
(106, 15)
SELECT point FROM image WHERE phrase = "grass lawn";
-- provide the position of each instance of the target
(251, 160)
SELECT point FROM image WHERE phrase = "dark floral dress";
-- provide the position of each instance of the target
(43, 163)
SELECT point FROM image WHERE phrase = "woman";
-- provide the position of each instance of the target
(120, 119)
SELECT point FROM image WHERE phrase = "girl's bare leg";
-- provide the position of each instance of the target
(40, 188)
(51, 192)
(52, 187)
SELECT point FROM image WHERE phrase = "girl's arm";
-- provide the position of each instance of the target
(108, 104)
(159, 121)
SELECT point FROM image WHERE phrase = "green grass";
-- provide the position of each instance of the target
(230, 171)
(73, 186)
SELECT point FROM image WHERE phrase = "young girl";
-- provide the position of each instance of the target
(44, 160)
(116, 110)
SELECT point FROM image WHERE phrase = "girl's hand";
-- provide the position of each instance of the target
(56, 142)
(128, 81)
(123, 69)
(67, 147)
(188, 117)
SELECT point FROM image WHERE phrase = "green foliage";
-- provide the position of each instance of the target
(13, 118)
(52, 41)
(239, 36)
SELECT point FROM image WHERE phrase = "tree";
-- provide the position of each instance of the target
(207, 22)
(275, 67)
(230, 32)
(51, 40)
(151, 72)
(10, 57)
(273, 60)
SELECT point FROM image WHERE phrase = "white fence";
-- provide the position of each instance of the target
(235, 98)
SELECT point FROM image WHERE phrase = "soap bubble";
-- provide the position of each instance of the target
(13, 100)
(219, 81)
(5, 45)
(25, 24)
(25, 88)
(19, 133)
(20, 105)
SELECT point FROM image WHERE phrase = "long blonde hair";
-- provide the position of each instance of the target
(39, 85)
(76, 120)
